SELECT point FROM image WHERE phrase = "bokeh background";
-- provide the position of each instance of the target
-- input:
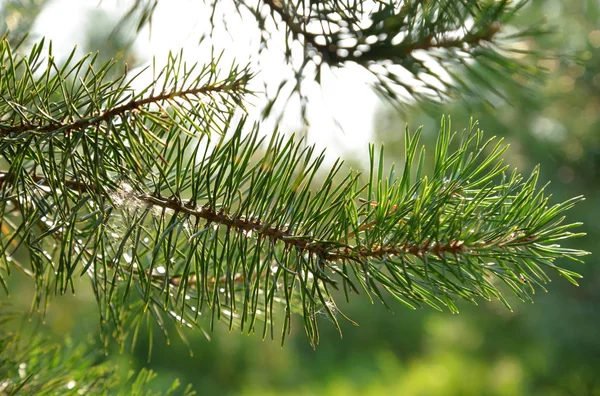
(551, 347)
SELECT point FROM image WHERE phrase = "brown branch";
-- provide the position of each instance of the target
(382, 51)
(328, 54)
(173, 280)
(403, 50)
(116, 111)
(323, 250)
(326, 250)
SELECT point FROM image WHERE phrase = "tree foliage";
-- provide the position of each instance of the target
(424, 51)
(175, 208)
(171, 211)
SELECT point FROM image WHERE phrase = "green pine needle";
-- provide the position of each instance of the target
(170, 220)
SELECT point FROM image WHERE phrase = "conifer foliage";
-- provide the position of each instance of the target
(175, 208)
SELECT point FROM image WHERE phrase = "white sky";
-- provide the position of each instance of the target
(179, 24)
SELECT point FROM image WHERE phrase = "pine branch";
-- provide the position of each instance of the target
(77, 101)
(381, 49)
(78, 93)
(245, 226)
(429, 51)
(169, 221)
(118, 111)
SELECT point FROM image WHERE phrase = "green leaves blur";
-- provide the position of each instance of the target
(31, 364)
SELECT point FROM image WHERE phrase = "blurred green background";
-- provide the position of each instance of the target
(551, 347)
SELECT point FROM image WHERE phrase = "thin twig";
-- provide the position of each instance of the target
(376, 52)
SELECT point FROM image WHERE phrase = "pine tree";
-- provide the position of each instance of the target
(175, 208)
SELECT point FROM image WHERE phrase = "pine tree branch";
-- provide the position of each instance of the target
(121, 110)
(300, 242)
(80, 94)
(442, 243)
(469, 41)
(76, 186)
(465, 41)
(167, 220)
(385, 37)
(381, 50)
